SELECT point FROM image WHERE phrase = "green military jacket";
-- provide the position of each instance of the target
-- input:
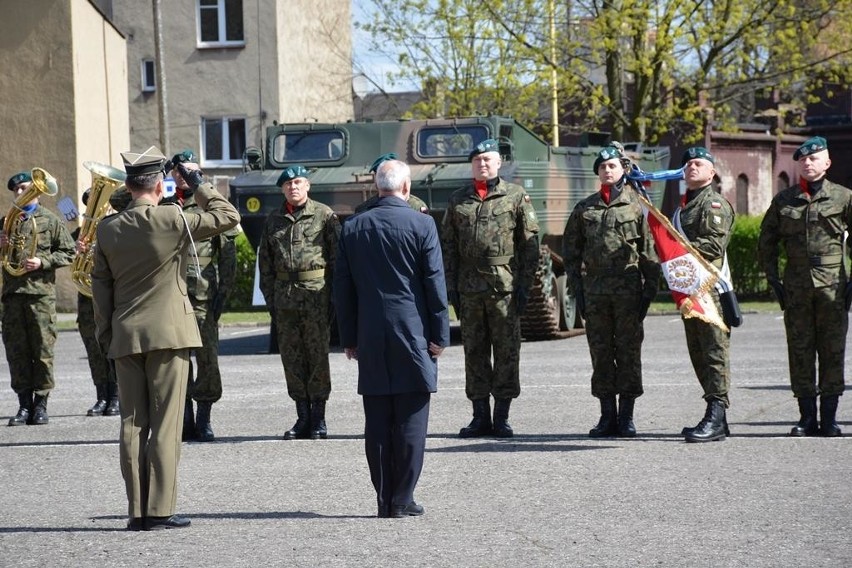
(55, 249)
(614, 245)
(296, 254)
(413, 201)
(706, 221)
(217, 262)
(811, 232)
(491, 244)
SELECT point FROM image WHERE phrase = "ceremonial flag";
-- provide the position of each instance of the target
(689, 276)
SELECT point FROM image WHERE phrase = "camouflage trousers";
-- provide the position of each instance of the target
(816, 322)
(207, 383)
(303, 337)
(491, 325)
(29, 334)
(615, 335)
(100, 367)
(709, 349)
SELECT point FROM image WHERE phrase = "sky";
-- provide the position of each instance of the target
(375, 65)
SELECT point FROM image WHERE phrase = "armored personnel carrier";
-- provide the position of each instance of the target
(339, 158)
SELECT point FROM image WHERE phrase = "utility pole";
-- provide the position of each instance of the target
(163, 114)
(554, 78)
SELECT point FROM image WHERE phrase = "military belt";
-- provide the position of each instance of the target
(301, 276)
(826, 260)
(202, 260)
(493, 261)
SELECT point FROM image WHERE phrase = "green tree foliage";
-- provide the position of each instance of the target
(241, 296)
(640, 67)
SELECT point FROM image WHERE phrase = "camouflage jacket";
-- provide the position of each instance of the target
(811, 232)
(296, 254)
(55, 249)
(707, 220)
(217, 262)
(491, 244)
(614, 245)
(413, 201)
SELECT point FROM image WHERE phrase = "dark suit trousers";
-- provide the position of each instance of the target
(395, 440)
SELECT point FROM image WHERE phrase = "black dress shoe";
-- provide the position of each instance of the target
(158, 523)
(383, 513)
(136, 524)
(410, 510)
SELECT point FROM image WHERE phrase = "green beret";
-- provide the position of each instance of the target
(811, 146)
(179, 158)
(697, 152)
(292, 172)
(383, 158)
(608, 153)
(489, 145)
(19, 178)
(150, 161)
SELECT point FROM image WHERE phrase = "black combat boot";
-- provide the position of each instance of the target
(203, 429)
(25, 408)
(712, 426)
(101, 404)
(502, 428)
(626, 428)
(113, 408)
(608, 424)
(827, 412)
(189, 432)
(39, 415)
(808, 425)
(481, 423)
(318, 429)
(302, 428)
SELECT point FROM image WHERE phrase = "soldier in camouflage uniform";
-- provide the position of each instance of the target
(413, 201)
(706, 219)
(209, 279)
(490, 246)
(296, 256)
(29, 308)
(810, 220)
(614, 273)
(103, 372)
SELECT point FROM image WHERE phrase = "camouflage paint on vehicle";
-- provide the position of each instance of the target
(339, 156)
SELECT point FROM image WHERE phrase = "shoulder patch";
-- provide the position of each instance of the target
(717, 219)
(715, 205)
(424, 209)
(526, 198)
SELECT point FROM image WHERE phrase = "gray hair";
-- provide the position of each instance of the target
(391, 176)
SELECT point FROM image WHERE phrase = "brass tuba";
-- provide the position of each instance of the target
(23, 244)
(105, 180)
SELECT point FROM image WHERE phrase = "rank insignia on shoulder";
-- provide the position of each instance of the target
(526, 198)
(715, 205)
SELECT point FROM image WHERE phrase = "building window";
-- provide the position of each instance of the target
(742, 194)
(220, 23)
(149, 76)
(224, 141)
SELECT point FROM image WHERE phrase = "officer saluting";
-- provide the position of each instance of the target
(810, 220)
(145, 317)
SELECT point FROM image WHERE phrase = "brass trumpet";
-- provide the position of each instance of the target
(23, 244)
(105, 180)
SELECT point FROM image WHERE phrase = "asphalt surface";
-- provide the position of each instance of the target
(548, 497)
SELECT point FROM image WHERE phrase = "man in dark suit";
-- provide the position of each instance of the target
(391, 301)
(143, 314)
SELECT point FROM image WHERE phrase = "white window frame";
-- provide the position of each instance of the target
(220, 17)
(225, 122)
(146, 87)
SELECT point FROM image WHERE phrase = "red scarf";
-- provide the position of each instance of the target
(803, 185)
(605, 189)
(290, 207)
(481, 187)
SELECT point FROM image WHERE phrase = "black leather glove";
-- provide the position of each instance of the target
(193, 178)
(522, 296)
(455, 300)
(644, 304)
(217, 306)
(778, 288)
(848, 296)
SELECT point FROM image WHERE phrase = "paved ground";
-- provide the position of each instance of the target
(548, 497)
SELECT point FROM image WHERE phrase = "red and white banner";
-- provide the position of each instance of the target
(691, 279)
